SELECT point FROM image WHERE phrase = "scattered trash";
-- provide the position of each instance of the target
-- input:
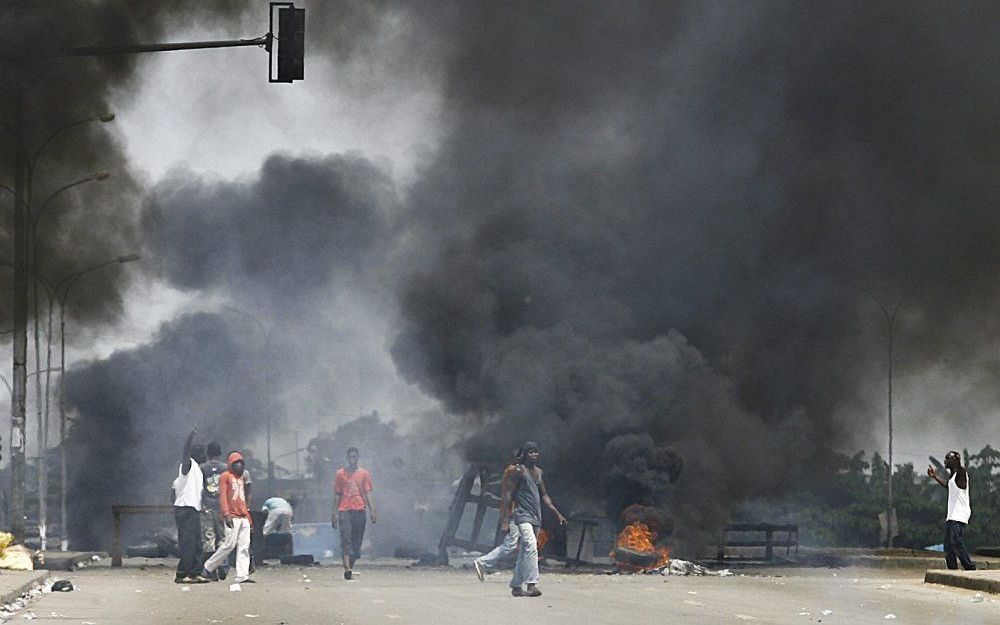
(826, 612)
(890, 616)
(803, 614)
(745, 617)
(186, 589)
(30, 616)
(235, 588)
(252, 615)
(63, 585)
(978, 598)
(683, 567)
(307, 581)
(137, 590)
(56, 615)
(692, 592)
(95, 558)
(885, 587)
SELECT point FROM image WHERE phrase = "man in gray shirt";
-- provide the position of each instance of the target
(527, 491)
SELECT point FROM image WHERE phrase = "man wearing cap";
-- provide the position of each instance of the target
(236, 517)
(959, 511)
(526, 490)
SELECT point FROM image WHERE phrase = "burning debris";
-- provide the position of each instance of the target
(635, 549)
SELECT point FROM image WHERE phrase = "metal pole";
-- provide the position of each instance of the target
(20, 313)
(40, 464)
(888, 512)
(68, 283)
(63, 475)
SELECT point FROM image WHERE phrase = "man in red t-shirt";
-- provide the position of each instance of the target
(352, 488)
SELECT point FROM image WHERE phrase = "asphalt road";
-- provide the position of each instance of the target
(395, 594)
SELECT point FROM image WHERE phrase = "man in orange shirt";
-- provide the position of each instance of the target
(352, 489)
(236, 517)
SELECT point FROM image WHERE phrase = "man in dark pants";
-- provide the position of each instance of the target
(959, 511)
(212, 529)
(352, 488)
(188, 487)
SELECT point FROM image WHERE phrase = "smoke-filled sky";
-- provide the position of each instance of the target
(652, 236)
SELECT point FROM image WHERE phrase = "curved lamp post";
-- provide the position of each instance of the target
(43, 425)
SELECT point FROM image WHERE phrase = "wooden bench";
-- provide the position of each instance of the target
(118, 511)
(768, 541)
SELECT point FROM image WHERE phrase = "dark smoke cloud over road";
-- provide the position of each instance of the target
(646, 238)
(659, 221)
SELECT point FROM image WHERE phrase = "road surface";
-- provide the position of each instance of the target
(394, 594)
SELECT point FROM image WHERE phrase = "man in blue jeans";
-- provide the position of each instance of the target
(526, 491)
(959, 511)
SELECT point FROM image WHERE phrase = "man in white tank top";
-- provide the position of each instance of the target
(959, 511)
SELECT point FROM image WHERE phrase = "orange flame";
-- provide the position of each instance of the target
(639, 538)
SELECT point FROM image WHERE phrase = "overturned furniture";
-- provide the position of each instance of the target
(118, 511)
(756, 536)
(485, 498)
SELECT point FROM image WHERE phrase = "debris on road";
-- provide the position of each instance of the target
(683, 567)
(890, 616)
(235, 588)
(62, 585)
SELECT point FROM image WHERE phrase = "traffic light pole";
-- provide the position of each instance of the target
(263, 40)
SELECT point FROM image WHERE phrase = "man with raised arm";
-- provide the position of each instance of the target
(959, 511)
(188, 487)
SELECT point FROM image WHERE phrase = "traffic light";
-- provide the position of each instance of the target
(291, 38)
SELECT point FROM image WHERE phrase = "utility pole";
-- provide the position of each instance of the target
(890, 322)
(20, 312)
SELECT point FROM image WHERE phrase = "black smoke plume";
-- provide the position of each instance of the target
(657, 227)
(647, 237)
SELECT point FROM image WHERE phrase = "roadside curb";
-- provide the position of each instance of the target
(9, 595)
(983, 581)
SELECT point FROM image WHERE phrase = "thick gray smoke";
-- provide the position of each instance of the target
(296, 252)
(646, 240)
(621, 176)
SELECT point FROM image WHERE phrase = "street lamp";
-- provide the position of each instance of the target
(65, 285)
(266, 332)
(25, 165)
(890, 322)
(43, 428)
